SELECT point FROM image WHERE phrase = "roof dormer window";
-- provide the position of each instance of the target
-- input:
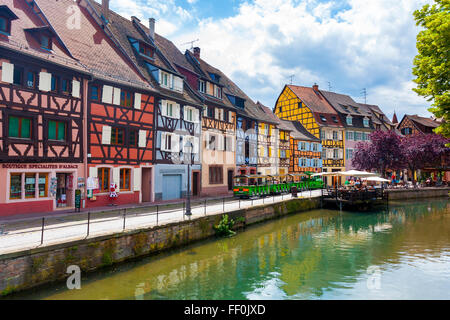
(145, 50)
(366, 122)
(349, 121)
(43, 35)
(6, 16)
(335, 120)
(322, 118)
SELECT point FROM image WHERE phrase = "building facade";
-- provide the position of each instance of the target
(309, 107)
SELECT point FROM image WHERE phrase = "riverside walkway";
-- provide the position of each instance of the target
(25, 234)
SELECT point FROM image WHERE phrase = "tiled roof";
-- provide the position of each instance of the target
(345, 104)
(90, 44)
(229, 87)
(427, 122)
(23, 42)
(269, 115)
(314, 100)
(298, 132)
(123, 28)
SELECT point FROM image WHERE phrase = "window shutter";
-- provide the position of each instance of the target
(176, 111)
(107, 94)
(230, 116)
(221, 143)
(142, 138)
(207, 141)
(93, 172)
(319, 147)
(137, 179)
(163, 141)
(106, 135)
(164, 108)
(45, 81)
(7, 72)
(341, 154)
(205, 111)
(137, 101)
(196, 142)
(340, 135)
(116, 177)
(75, 88)
(216, 113)
(116, 97)
(175, 143)
(196, 116)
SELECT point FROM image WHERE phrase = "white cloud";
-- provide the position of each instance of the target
(368, 44)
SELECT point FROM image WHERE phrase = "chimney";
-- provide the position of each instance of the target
(105, 9)
(151, 27)
(197, 52)
(316, 87)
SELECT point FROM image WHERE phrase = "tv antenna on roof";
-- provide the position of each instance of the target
(191, 43)
(364, 93)
(329, 86)
(291, 77)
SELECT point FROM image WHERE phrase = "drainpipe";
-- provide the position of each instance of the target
(85, 135)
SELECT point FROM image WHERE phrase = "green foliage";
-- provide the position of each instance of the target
(432, 64)
(223, 229)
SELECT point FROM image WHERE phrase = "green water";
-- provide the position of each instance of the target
(403, 253)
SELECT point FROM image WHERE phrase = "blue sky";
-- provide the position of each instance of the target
(348, 44)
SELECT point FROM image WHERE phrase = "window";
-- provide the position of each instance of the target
(335, 120)
(57, 130)
(133, 138)
(202, 86)
(315, 147)
(145, 50)
(366, 122)
(335, 135)
(215, 175)
(15, 188)
(18, 75)
(95, 93)
(55, 83)
(350, 136)
(30, 185)
(125, 179)
(283, 154)
(302, 146)
(46, 42)
(117, 136)
(322, 117)
(322, 135)
(43, 185)
(335, 153)
(103, 179)
(349, 121)
(189, 115)
(168, 142)
(211, 143)
(19, 127)
(4, 25)
(31, 79)
(169, 109)
(165, 80)
(65, 86)
(302, 162)
(218, 92)
(211, 112)
(406, 131)
(126, 99)
(349, 154)
(358, 136)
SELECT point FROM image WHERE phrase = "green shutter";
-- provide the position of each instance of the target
(14, 127)
(61, 131)
(52, 130)
(26, 128)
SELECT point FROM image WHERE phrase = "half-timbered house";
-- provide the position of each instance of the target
(119, 103)
(218, 125)
(177, 108)
(314, 112)
(41, 114)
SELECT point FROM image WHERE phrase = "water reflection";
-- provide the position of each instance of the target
(321, 254)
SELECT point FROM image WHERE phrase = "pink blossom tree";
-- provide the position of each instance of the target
(381, 153)
(423, 150)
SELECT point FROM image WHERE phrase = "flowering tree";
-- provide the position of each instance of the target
(423, 150)
(381, 153)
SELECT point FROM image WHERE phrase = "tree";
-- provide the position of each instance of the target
(432, 64)
(423, 150)
(381, 153)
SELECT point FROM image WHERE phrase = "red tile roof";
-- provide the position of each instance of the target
(91, 45)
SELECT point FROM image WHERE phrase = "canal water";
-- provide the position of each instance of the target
(400, 253)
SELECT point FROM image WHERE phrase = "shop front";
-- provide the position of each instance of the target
(36, 188)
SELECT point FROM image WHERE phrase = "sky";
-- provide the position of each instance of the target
(347, 45)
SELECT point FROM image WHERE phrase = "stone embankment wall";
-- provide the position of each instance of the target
(418, 193)
(31, 268)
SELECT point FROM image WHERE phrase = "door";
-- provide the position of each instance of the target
(195, 183)
(146, 185)
(230, 180)
(171, 187)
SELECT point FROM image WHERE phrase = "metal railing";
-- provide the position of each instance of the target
(24, 234)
